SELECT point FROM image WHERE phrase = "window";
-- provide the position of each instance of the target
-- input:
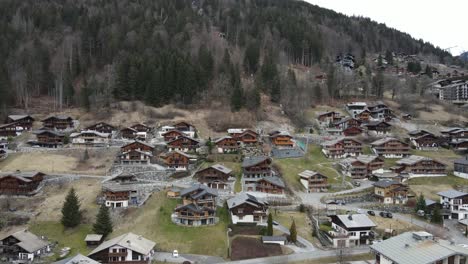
(240, 210)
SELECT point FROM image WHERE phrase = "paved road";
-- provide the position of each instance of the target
(167, 257)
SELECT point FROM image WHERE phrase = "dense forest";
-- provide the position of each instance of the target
(91, 52)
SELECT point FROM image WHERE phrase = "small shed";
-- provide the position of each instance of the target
(280, 240)
(93, 240)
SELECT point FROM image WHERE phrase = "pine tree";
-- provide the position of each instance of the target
(251, 57)
(103, 224)
(389, 57)
(437, 216)
(293, 232)
(71, 214)
(380, 61)
(269, 225)
(421, 203)
(209, 144)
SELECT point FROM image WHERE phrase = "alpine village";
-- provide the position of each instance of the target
(220, 131)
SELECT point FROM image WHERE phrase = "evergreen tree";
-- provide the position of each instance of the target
(236, 99)
(428, 71)
(380, 61)
(209, 144)
(437, 216)
(71, 214)
(331, 82)
(251, 57)
(269, 225)
(85, 94)
(378, 84)
(293, 232)
(103, 224)
(421, 203)
(389, 57)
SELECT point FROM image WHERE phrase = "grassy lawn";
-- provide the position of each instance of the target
(303, 228)
(153, 221)
(395, 224)
(446, 156)
(314, 160)
(430, 186)
(366, 150)
(73, 238)
(236, 168)
(390, 162)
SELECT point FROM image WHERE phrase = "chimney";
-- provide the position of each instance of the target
(407, 246)
(350, 216)
(128, 242)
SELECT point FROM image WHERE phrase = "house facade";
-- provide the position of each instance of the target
(8, 130)
(378, 127)
(49, 138)
(248, 137)
(226, 144)
(362, 166)
(120, 195)
(426, 142)
(350, 230)
(58, 123)
(216, 176)
(390, 148)
(136, 152)
(177, 160)
(90, 138)
(314, 181)
(23, 247)
(418, 166)
(102, 127)
(128, 133)
(171, 135)
(187, 128)
(198, 206)
(456, 203)
(282, 139)
(184, 144)
(246, 208)
(391, 192)
(340, 148)
(20, 183)
(256, 167)
(461, 167)
(269, 184)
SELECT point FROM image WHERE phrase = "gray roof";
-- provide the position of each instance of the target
(451, 194)
(244, 198)
(386, 174)
(309, 173)
(417, 248)
(366, 159)
(55, 133)
(383, 141)
(413, 159)
(356, 221)
(24, 176)
(222, 138)
(273, 238)
(98, 134)
(221, 168)
(374, 123)
(129, 240)
(275, 181)
(253, 160)
(194, 208)
(138, 141)
(463, 161)
(202, 190)
(385, 183)
(93, 237)
(28, 241)
(429, 202)
(18, 117)
(78, 259)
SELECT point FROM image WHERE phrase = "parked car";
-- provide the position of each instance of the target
(382, 214)
(420, 213)
(386, 214)
(275, 223)
(356, 183)
(371, 213)
(175, 254)
(389, 215)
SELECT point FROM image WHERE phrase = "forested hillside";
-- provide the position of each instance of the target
(91, 52)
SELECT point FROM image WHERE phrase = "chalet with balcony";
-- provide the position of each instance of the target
(128, 133)
(461, 167)
(246, 208)
(216, 176)
(171, 135)
(347, 122)
(137, 152)
(198, 206)
(226, 144)
(418, 247)
(418, 166)
(328, 117)
(142, 131)
(390, 148)
(350, 230)
(427, 141)
(177, 160)
(187, 128)
(184, 144)
(8, 130)
(58, 123)
(48, 139)
(361, 166)
(23, 247)
(340, 148)
(355, 108)
(269, 184)
(391, 192)
(281, 139)
(117, 195)
(456, 203)
(20, 183)
(378, 127)
(137, 145)
(459, 144)
(364, 116)
(248, 137)
(102, 127)
(256, 167)
(90, 138)
(128, 248)
(352, 131)
(23, 122)
(379, 110)
(455, 133)
(314, 181)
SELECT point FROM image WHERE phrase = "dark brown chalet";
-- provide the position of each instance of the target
(141, 127)
(314, 181)
(215, 176)
(137, 145)
(426, 141)
(390, 148)
(49, 138)
(226, 145)
(246, 208)
(328, 117)
(128, 133)
(455, 133)
(256, 167)
(270, 185)
(459, 144)
(102, 127)
(8, 130)
(341, 148)
(248, 137)
(25, 122)
(20, 183)
(58, 122)
(352, 131)
(361, 166)
(198, 206)
(418, 166)
(364, 116)
(378, 127)
(177, 160)
(184, 127)
(281, 139)
(347, 122)
(183, 143)
(172, 134)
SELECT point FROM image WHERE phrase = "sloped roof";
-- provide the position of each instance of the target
(274, 180)
(245, 198)
(309, 173)
(356, 221)
(179, 152)
(93, 237)
(18, 117)
(129, 240)
(78, 259)
(221, 168)
(375, 123)
(183, 136)
(28, 241)
(60, 117)
(138, 141)
(385, 183)
(194, 208)
(203, 189)
(463, 160)
(23, 176)
(383, 141)
(451, 194)
(103, 135)
(236, 130)
(254, 160)
(413, 159)
(419, 131)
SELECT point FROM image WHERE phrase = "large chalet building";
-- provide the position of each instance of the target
(128, 133)
(362, 166)
(22, 122)
(20, 183)
(340, 148)
(90, 138)
(390, 148)
(327, 118)
(49, 138)
(216, 176)
(246, 208)
(23, 247)
(424, 140)
(378, 127)
(391, 192)
(198, 206)
(455, 202)
(137, 152)
(269, 184)
(187, 128)
(461, 167)
(248, 137)
(102, 127)
(256, 167)
(281, 139)
(314, 181)
(350, 230)
(8, 130)
(418, 166)
(184, 144)
(120, 195)
(177, 160)
(171, 135)
(58, 123)
(142, 131)
(226, 144)
(128, 248)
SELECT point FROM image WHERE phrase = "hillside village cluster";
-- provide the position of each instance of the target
(169, 159)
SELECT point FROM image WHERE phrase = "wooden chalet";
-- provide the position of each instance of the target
(314, 181)
(216, 176)
(58, 122)
(20, 183)
(102, 127)
(119, 195)
(340, 148)
(391, 192)
(184, 143)
(246, 208)
(90, 138)
(455, 133)
(352, 131)
(328, 117)
(24, 122)
(346, 123)
(172, 134)
(198, 206)
(8, 130)
(248, 137)
(281, 139)
(461, 167)
(128, 133)
(256, 167)
(23, 247)
(418, 133)
(269, 184)
(49, 139)
(378, 127)
(459, 144)
(418, 166)
(177, 160)
(135, 157)
(426, 141)
(128, 248)
(141, 127)
(137, 145)
(364, 116)
(361, 166)
(184, 127)
(93, 240)
(390, 148)
(226, 144)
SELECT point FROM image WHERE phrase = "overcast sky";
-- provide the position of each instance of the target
(443, 23)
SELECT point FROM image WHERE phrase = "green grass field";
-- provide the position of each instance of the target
(303, 228)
